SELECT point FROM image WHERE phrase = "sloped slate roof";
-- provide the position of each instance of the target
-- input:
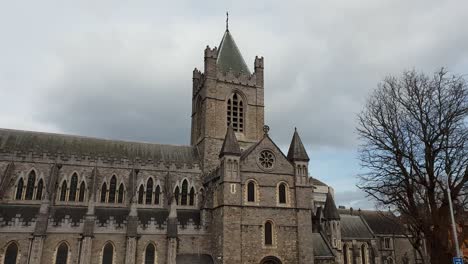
(26, 141)
(317, 182)
(229, 56)
(230, 144)
(330, 211)
(297, 151)
(353, 227)
(382, 223)
(321, 248)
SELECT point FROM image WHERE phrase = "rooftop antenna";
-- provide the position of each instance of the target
(227, 21)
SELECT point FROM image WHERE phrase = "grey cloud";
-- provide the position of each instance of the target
(124, 71)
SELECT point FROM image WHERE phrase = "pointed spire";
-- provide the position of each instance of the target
(297, 151)
(230, 144)
(229, 56)
(330, 211)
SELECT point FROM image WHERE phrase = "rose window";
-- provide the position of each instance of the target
(266, 159)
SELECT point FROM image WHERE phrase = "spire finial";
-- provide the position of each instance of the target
(227, 21)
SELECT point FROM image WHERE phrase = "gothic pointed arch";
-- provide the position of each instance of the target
(112, 189)
(157, 195)
(73, 188)
(63, 191)
(108, 254)
(19, 189)
(82, 193)
(150, 254)
(235, 112)
(11, 253)
(141, 194)
(120, 198)
(149, 191)
(192, 196)
(40, 188)
(184, 194)
(62, 253)
(103, 192)
(30, 186)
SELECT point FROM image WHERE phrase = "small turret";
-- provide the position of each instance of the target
(332, 222)
(230, 145)
(298, 156)
(297, 151)
(330, 212)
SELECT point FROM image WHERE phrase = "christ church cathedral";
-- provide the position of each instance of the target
(231, 196)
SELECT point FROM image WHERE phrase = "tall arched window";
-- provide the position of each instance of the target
(157, 195)
(150, 254)
(112, 189)
(30, 186)
(192, 196)
(81, 196)
(19, 189)
(103, 192)
(73, 187)
(149, 191)
(141, 193)
(282, 193)
(177, 194)
(364, 254)
(121, 193)
(63, 191)
(11, 254)
(40, 186)
(235, 113)
(108, 254)
(61, 256)
(183, 200)
(251, 191)
(268, 233)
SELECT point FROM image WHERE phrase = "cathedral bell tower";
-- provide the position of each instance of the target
(226, 93)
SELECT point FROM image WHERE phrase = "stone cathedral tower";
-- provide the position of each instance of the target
(226, 93)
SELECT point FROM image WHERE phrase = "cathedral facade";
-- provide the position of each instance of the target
(231, 196)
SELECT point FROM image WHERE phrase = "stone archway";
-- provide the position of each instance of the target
(270, 260)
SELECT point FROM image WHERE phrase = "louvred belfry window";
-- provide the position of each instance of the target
(235, 113)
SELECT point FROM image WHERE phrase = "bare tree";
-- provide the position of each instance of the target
(413, 133)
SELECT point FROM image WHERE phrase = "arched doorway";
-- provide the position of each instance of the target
(270, 260)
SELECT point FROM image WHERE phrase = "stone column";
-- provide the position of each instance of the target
(132, 234)
(172, 234)
(85, 253)
(36, 250)
(39, 232)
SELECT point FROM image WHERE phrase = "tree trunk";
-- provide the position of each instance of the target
(440, 251)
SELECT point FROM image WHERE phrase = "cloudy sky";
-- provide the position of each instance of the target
(122, 69)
